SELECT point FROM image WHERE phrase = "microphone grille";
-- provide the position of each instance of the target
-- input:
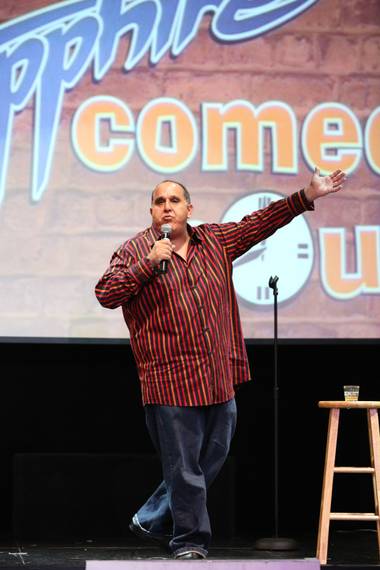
(166, 229)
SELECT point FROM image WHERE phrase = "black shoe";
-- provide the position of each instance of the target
(145, 535)
(192, 555)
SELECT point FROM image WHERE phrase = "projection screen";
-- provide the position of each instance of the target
(238, 100)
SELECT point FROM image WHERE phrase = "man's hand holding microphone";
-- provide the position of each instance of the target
(162, 249)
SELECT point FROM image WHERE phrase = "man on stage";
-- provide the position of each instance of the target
(180, 306)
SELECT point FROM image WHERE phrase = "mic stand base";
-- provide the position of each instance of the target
(276, 543)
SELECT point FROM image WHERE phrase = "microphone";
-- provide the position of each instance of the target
(166, 230)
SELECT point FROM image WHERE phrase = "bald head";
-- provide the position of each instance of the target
(185, 191)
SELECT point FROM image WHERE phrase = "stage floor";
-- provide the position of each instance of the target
(347, 549)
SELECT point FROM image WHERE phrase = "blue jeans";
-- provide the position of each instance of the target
(193, 443)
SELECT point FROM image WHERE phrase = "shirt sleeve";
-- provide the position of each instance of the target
(239, 237)
(123, 279)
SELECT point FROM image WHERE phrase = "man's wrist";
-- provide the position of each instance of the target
(309, 194)
(152, 262)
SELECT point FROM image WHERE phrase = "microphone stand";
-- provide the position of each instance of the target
(275, 542)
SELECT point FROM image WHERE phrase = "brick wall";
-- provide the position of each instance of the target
(54, 251)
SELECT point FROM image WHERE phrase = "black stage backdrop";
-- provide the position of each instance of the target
(74, 439)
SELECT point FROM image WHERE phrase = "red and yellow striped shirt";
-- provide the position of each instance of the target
(184, 325)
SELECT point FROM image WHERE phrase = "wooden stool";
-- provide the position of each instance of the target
(374, 443)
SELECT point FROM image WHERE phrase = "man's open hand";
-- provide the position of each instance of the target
(322, 185)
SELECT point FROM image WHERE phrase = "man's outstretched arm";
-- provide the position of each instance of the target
(239, 237)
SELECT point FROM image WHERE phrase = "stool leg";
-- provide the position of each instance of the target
(328, 478)
(374, 440)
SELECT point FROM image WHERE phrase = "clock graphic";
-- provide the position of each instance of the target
(289, 253)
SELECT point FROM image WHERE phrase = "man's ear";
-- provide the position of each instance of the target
(189, 210)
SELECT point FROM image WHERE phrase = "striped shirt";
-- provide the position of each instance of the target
(184, 325)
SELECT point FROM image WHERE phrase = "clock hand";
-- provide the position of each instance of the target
(250, 256)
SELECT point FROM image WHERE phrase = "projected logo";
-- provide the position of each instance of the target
(289, 253)
(46, 53)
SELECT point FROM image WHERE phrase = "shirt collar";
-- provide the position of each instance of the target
(194, 233)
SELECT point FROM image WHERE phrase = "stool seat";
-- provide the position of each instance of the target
(330, 469)
(356, 404)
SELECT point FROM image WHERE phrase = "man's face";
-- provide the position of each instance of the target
(169, 206)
